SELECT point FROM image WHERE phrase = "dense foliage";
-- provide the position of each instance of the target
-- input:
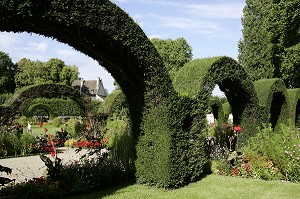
(270, 44)
(37, 72)
(7, 68)
(175, 53)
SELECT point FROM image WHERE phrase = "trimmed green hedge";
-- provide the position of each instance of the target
(294, 105)
(273, 102)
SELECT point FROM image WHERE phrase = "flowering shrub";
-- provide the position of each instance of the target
(281, 147)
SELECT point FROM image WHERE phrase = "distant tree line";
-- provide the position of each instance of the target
(270, 46)
(27, 72)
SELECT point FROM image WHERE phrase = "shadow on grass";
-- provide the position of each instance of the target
(101, 193)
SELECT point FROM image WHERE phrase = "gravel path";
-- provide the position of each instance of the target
(25, 168)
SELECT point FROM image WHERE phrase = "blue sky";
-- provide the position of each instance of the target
(211, 27)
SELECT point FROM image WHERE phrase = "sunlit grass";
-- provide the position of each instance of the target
(211, 187)
(37, 130)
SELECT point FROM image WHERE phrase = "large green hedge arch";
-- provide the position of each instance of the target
(273, 101)
(101, 30)
(198, 78)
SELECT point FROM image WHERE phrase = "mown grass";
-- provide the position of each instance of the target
(37, 130)
(212, 187)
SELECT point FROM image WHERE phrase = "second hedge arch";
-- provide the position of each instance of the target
(198, 78)
(273, 101)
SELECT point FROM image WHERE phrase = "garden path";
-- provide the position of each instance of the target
(25, 168)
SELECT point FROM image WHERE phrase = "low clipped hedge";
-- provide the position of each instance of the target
(273, 101)
(294, 105)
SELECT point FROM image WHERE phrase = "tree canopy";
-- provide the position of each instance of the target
(271, 40)
(175, 53)
(36, 72)
(7, 68)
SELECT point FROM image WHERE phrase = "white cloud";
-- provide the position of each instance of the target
(216, 10)
(188, 24)
(38, 47)
(8, 40)
(65, 52)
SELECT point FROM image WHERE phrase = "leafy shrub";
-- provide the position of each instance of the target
(69, 143)
(57, 121)
(23, 121)
(28, 144)
(9, 142)
(74, 127)
(121, 144)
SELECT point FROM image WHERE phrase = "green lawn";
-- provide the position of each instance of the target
(37, 130)
(210, 187)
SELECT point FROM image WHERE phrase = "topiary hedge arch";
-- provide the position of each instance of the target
(166, 127)
(198, 78)
(46, 91)
(272, 95)
(294, 105)
(35, 107)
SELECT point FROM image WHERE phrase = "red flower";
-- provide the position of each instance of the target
(53, 154)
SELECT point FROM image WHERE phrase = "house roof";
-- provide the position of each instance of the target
(91, 87)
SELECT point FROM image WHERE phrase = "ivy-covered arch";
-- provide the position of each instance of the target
(160, 119)
(273, 101)
(35, 107)
(198, 78)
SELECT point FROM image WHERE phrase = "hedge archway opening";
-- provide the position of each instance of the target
(33, 109)
(276, 106)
